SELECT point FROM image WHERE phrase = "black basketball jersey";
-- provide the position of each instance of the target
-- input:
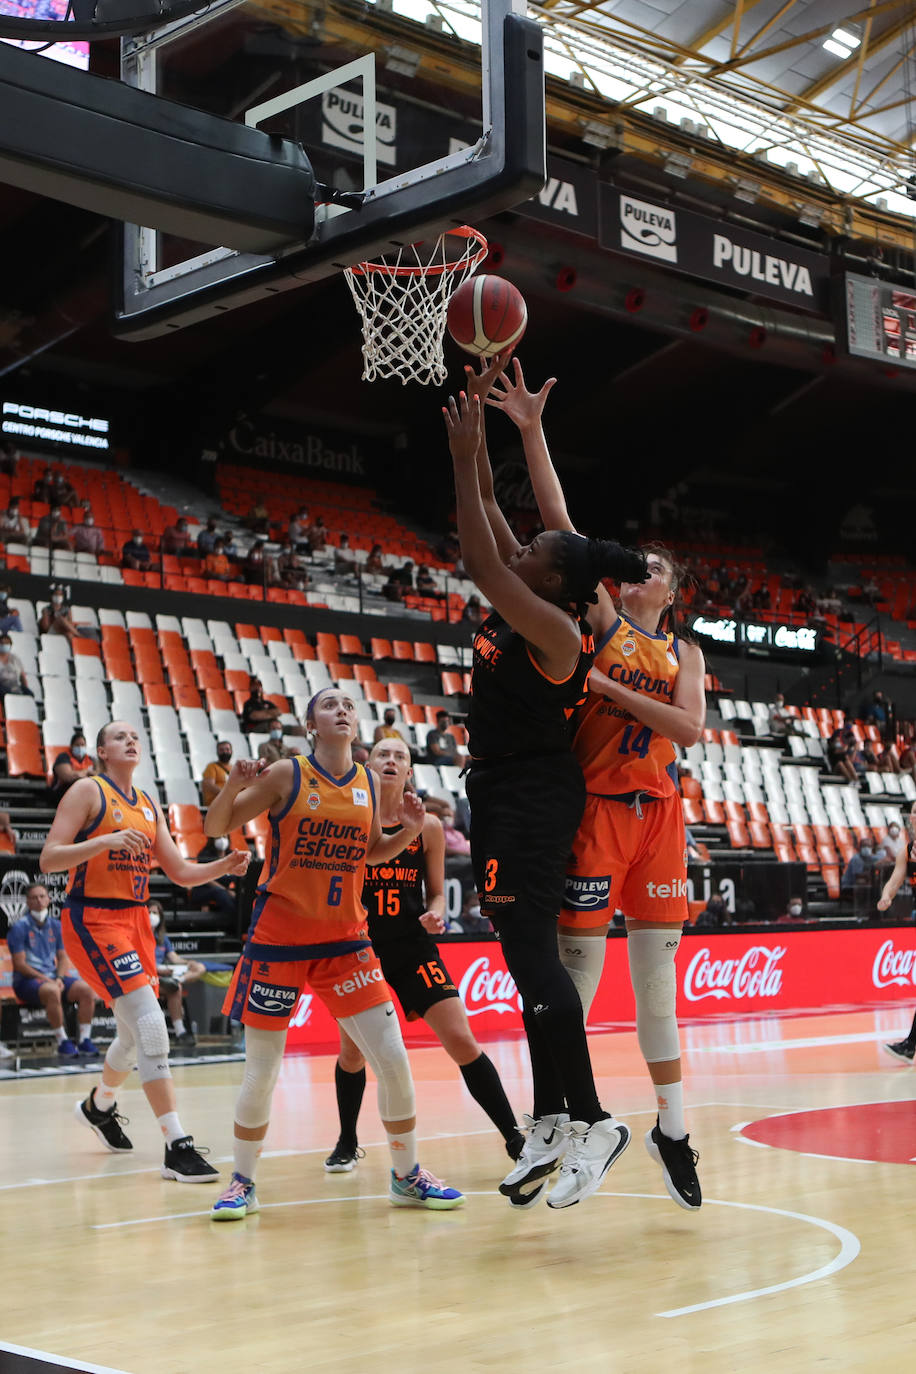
(393, 893)
(515, 708)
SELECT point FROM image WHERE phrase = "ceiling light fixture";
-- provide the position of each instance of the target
(842, 43)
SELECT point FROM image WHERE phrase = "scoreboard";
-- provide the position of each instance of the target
(878, 320)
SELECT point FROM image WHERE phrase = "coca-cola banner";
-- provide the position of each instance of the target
(718, 975)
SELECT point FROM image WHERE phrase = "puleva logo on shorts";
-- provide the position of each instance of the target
(127, 965)
(271, 999)
(587, 894)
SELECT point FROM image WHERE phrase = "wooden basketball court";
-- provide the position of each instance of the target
(800, 1258)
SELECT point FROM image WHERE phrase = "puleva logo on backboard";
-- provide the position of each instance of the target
(649, 229)
(343, 122)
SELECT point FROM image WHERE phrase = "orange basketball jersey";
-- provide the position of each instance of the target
(619, 754)
(116, 877)
(316, 862)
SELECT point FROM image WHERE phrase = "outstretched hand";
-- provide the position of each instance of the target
(411, 813)
(463, 423)
(480, 383)
(522, 406)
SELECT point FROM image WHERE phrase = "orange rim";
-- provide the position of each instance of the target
(463, 231)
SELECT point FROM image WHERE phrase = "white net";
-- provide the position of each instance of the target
(403, 300)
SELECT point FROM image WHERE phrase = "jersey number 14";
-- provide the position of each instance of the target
(637, 743)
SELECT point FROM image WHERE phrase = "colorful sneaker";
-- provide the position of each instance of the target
(237, 1202)
(107, 1125)
(590, 1152)
(185, 1164)
(901, 1050)
(679, 1167)
(544, 1147)
(86, 1047)
(421, 1189)
(342, 1158)
(67, 1050)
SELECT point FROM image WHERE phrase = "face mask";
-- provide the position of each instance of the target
(89, 520)
(795, 909)
(224, 758)
(865, 851)
(39, 916)
(154, 920)
(276, 734)
(221, 843)
(79, 751)
(5, 648)
(57, 600)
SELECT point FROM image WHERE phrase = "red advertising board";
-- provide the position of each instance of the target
(725, 975)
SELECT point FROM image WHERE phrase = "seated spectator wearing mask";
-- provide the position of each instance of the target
(795, 911)
(70, 765)
(273, 749)
(55, 619)
(44, 977)
(13, 529)
(258, 714)
(387, 729)
(12, 673)
(216, 773)
(52, 531)
(135, 554)
(9, 616)
(87, 537)
(860, 868)
(216, 564)
(219, 896)
(175, 538)
(172, 982)
(206, 540)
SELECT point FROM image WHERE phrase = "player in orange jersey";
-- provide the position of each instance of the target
(106, 832)
(405, 901)
(646, 694)
(308, 926)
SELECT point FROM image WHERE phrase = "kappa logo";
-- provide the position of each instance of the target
(263, 970)
(127, 965)
(271, 999)
(587, 894)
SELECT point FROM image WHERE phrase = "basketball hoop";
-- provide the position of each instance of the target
(403, 299)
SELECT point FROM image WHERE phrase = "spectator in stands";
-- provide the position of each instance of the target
(87, 537)
(888, 762)
(858, 872)
(8, 458)
(457, 846)
(135, 554)
(714, 914)
(344, 563)
(891, 844)
(318, 535)
(473, 613)
(64, 492)
(172, 983)
(693, 853)
(878, 712)
(273, 749)
(426, 583)
(760, 599)
(441, 745)
(71, 764)
(9, 616)
(216, 773)
(404, 575)
(856, 754)
(393, 590)
(805, 602)
(258, 520)
(52, 531)
(44, 977)
(206, 539)
(12, 673)
(216, 564)
(13, 529)
(374, 562)
(781, 723)
(795, 911)
(258, 714)
(838, 755)
(387, 729)
(230, 547)
(448, 548)
(56, 618)
(43, 489)
(298, 532)
(175, 539)
(218, 895)
(907, 759)
(256, 567)
(291, 567)
(358, 752)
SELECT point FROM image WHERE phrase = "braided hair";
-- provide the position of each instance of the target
(583, 563)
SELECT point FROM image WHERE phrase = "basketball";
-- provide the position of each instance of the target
(486, 315)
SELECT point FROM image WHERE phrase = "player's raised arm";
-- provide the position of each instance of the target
(480, 384)
(251, 788)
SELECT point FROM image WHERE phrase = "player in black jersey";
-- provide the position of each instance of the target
(405, 901)
(531, 660)
(904, 871)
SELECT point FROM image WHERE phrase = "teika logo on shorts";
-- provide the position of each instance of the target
(362, 978)
(893, 965)
(485, 989)
(677, 887)
(753, 975)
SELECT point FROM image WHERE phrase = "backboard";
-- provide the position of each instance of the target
(415, 125)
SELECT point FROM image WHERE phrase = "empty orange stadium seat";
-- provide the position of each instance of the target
(245, 631)
(760, 835)
(737, 834)
(381, 648)
(693, 811)
(757, 811)
(296, 637)
(327, 647)
(831, 877)
(452, 684)
(364, 672)
(238, 681)
(376, 691)
(413, 714)
(303, 653)
(118, 667)
(149, 669)
(808, 855)
(209, 677)
(424, 653)
(184, 694)
(399, 693)
(402, 649)
(219, 699)
(802, 834)
(86, 648)
(185, 817)
(734, 811)
(785, 853)
(157, 694)
(352, 646)
(271, 634)
(23, 750)
(714, 812)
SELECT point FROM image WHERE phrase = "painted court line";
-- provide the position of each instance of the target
(65, 1363)
(812, 1042)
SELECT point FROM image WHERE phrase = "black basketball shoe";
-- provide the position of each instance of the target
(185, 1164)
(901, 1050)
(679, 1167)
(343, 1158)
(107, 1125)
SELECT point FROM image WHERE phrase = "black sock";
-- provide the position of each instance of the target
(485, 1086)
(350, 1088)
(549, 1098)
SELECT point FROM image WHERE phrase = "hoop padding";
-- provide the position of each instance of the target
(403, 301)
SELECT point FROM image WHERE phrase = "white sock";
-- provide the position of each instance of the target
(104, 1096)
(85, 1032)
(178, 1025)
(171, 1127)
(60, 1035)
(245, 1156)
(670, 1099)
(403, 1148)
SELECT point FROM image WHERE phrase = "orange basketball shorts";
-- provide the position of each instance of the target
(621, 862)
(264, 992)
(113, 948)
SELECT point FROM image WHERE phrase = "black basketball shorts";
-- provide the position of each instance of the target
(415, 973)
